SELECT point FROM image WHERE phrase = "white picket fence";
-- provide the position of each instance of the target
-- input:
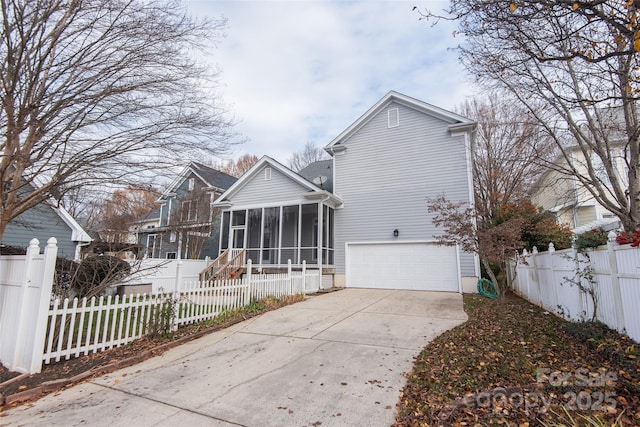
(545, 279)
(170, 275)
(80, 327)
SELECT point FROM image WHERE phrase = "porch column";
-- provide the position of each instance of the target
(320, 233)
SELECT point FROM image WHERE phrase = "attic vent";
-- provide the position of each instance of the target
(192, 183)
(394, 118)
(267, 174)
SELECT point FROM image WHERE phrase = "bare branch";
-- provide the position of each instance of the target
(101, 91)
(574, 65)
(308, 155)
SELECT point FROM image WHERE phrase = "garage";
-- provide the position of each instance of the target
(402, 265)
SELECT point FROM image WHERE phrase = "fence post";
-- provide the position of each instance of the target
(175, 310)
(536, 275)
(21, 335)
(584, 303)
(290, 277)
(553, 296)
(304, 277)
(615, 281)
(249, 281)
(42, 318)
(178, 275)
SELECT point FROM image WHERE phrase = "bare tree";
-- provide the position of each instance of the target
(101, 91)
(193, 222)
(238, 167)
(575, 66)
(506, 155)
(123, 207)
(308, 155)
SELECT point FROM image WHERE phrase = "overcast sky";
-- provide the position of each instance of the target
(298, 71)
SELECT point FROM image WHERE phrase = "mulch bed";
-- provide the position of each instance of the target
(16, 388)
(513, 363)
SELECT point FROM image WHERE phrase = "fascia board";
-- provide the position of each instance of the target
(77, 232)
(407, 101)
(251, 173)
(177, 182)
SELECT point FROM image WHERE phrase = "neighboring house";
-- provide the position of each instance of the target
(570, 201)
(185, 225)
(147, 224)
(44, 221)
(361, 218)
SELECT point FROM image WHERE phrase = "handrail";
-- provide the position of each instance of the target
(214, 266)
(236, 263)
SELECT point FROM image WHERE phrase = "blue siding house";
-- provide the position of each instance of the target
(44, 221)
(186, 226)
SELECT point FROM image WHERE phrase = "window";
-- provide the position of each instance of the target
(152, 243)
(189, 210)
(238, 218)
(224, 240)
(290, 234)
(192, 183)
(314, 238)
(171, 255)
(393, 116)
(267, 174)
(309, 232)
(254, 235)
(270, 235)
(172, 236)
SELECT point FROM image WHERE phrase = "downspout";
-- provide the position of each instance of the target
(469, 141)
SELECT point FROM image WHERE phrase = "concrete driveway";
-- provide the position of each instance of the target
(333, 360)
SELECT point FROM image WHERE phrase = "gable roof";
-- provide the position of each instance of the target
(213, 178)
(153, 215)
(255, 169)
(457, 122)
(321, 168)
(78, 234)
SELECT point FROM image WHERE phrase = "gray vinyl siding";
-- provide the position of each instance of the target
(387, 175)
(279, 189)
(41, 222)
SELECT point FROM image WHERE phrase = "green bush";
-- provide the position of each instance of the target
(591, 239)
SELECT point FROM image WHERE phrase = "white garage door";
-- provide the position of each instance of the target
(417, 266)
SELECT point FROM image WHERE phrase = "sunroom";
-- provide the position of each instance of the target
(275, 235)
(276, 218)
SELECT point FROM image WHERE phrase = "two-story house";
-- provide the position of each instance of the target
(569, 199)
(185, 225)
(361, 218)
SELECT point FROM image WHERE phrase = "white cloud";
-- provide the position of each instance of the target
(304, 71)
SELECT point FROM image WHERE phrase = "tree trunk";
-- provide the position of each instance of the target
(632, 223)
(492, 276)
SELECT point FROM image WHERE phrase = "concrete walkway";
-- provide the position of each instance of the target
(333, 360)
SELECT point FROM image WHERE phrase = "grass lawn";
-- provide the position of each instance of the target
(515, 364)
